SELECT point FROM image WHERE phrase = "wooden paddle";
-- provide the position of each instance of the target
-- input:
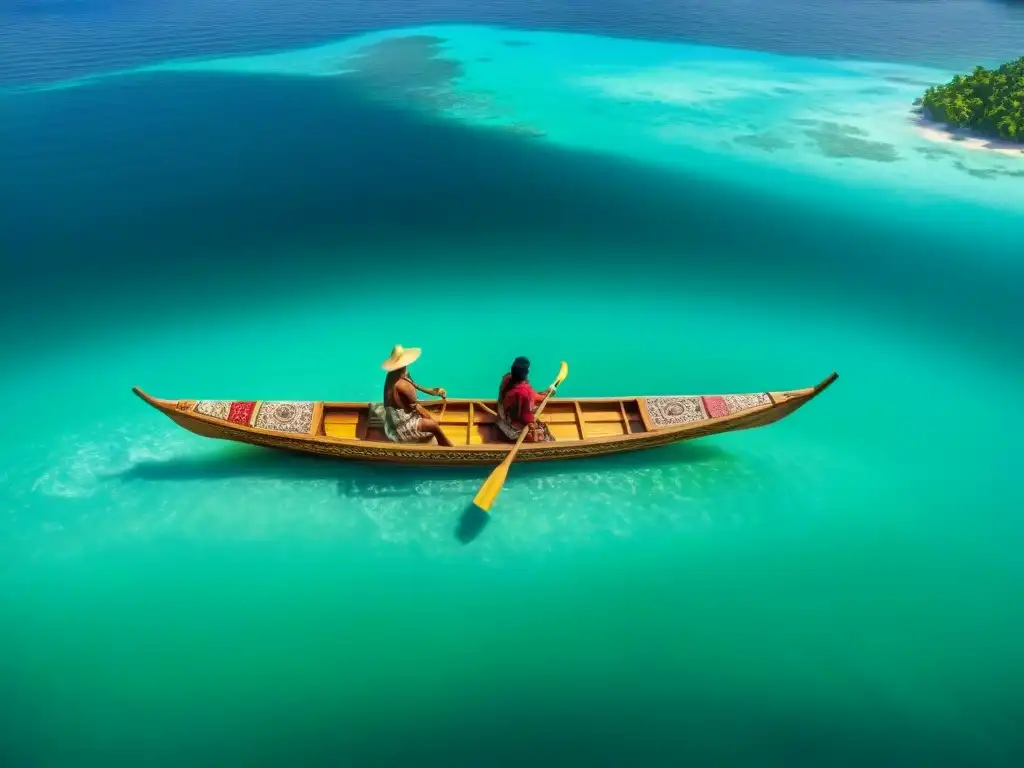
(495, 482)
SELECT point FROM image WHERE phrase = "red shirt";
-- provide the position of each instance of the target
(519, 401)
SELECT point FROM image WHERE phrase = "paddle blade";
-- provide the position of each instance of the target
(492, 487)
(563, 371)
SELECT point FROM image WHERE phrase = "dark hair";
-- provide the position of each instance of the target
(520, 372)
(520, 369)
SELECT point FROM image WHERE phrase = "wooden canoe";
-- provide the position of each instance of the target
(582, 427)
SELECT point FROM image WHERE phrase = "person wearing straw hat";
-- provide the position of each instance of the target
(403, 419)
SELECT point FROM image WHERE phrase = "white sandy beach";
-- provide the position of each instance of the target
(933, 131)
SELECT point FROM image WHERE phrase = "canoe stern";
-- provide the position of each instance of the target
(209, 417)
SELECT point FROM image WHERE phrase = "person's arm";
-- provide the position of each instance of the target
(436, 391)
(408, 395)
(538, 397)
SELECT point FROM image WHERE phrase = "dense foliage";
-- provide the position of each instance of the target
(989, 101)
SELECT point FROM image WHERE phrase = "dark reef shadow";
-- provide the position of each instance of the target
(934, 153)
(766, 142)
(988, 173)
(843, 141)
(341, 160)
(905, 80)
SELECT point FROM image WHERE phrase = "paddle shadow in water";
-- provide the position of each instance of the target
(474, 520)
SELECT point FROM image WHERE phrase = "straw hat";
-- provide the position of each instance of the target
(401, 357)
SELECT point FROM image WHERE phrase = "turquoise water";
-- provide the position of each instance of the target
(840, 588)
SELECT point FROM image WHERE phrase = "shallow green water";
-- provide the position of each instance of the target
(842, 585)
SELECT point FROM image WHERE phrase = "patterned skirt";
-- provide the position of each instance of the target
(512, 433)
(400, 426)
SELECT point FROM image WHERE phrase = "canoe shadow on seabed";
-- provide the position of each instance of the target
(368, 480)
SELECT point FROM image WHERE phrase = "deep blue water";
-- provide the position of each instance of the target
(127, 184)
(55, 39)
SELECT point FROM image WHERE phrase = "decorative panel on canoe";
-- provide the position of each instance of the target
(278, 415)
(285, 416)
(282, 416)
(679, 410)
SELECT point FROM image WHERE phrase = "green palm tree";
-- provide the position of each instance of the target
(989, 101)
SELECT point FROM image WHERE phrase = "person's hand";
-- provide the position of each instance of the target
(440, 392)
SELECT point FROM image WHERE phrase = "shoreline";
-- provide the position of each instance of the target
(939, 133)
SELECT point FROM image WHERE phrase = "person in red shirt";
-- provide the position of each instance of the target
(517, 401)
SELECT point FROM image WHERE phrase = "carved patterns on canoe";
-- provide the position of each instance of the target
(738, 403)
(217, 409)
(287, 416)
(277, 415)
(676, 411)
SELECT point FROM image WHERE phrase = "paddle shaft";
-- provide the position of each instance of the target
(421, 409)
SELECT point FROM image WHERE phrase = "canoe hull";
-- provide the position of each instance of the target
(777, 405)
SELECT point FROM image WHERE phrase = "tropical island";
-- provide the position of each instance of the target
(988, 102)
